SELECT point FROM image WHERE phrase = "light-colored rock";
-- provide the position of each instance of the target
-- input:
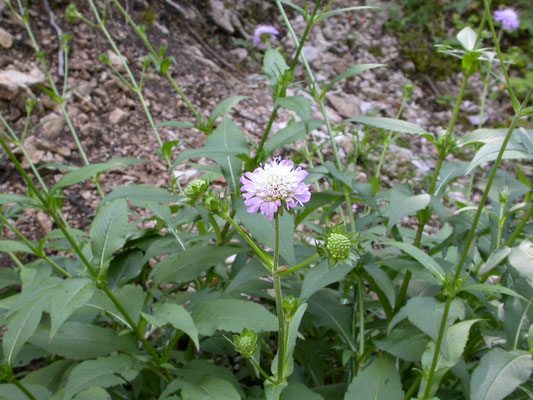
(12, 81)
(311, 53)
(221, 15)
(239, 54)
(374, 94)
(117, 116)
(45, 222)
(347, 106)
(6, 39)
(35, 155)
(45, 145)
(115, 60)
(53, 125)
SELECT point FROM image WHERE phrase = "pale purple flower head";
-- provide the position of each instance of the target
(508, 18)
(263, 30)
(273, 185)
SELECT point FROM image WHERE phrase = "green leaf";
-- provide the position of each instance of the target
(405, 343)
(494, 260)
(233, 316)
(328, 14)
(521, 258)
(176, 124)
(175, 315)
(209, 388)
(10, 391)
(124, 268)
(321, 276)
(403, 203)
(14, 246)
(467, 37)
(426, 314)
(71, 295)
(481, 287)
(188, 264)
(142, 192)
(429, 263)
(83, 173)
(300, 10)
(274, 66)
(298, 391)
(9, 277)
(108, 231)
(20, 327)
(131, 297)
(390, 124)
(95, 393)
(221, 147)
(8, 198)
(456, 338)
(102, 372)
(263, 230)
(354, 70)
(80, 341)
(299, 104)
(499, 373)
(225, 107)
(489, 152)
(382, 281)
(50, 375)
(290, 134)
(380, 380)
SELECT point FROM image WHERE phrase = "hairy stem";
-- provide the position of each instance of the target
(279, 304)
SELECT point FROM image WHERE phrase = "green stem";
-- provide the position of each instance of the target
(525, 219)
(411, 391)
(279, 304)
(265, 133)
(265, 375)
(360, 295)
(264, 257)
(177, 335)
(24, 390)
(297, 267)
(216, 228)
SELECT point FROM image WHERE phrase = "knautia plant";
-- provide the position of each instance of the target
(287, 269)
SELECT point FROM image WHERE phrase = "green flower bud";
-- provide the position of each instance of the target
(246, 343)
(213, 203)
(290, 305)
(339, 246)
(197, 189)
(72, 14)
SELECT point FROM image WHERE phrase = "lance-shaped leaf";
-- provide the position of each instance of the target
(108, 231)
(71, 295)
(390, 124)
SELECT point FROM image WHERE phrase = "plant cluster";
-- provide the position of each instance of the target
(291, 281)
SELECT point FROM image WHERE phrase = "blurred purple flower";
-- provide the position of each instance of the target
(273, 185)
(508, 18)
(263, 30)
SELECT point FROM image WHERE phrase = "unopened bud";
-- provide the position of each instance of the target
(197, 189)
(338, 246)
(246, 343)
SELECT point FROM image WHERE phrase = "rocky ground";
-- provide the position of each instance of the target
(215, 60)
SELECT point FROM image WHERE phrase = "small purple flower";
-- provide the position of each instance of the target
(272, 185)
(263, 30)
(508, 18)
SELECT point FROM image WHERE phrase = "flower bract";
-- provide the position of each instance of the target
(261, 33)
(508, 17)
(273, 185)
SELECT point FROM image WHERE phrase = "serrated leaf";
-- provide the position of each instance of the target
(130, 297)
(321, 276)
(95, 393)
(80, 341)
(426, 314)
(102, 372)
(481, 287)
(499, 373)
(456, 338)
(390, 124)
(108, 231)
(403, 203)
(209, 388)
(489, 152)
(233, 316)
(427, 262)
(83, 173)
(290, 134)
(521, 258)
(175, 315)
(299, 104)
(407, 344)
(188, 264)
(20, 327)
(380, 380)
(141, 192)
(225, 107)
(71, 295)
(14, 246)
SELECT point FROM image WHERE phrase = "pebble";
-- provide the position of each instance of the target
(6, 39)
